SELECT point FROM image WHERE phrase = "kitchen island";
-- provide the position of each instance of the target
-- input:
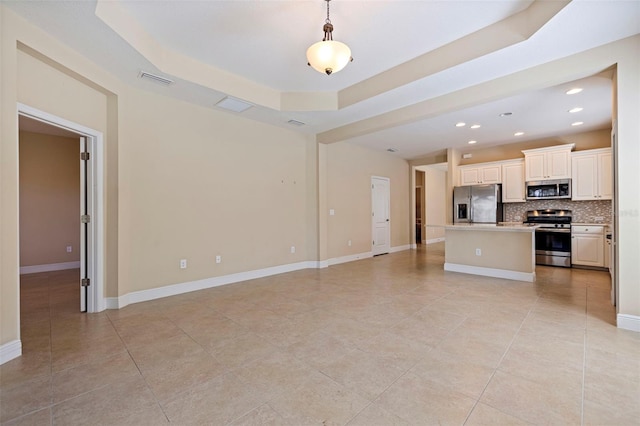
(501, 251)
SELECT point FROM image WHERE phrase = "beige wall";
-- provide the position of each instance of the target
(349, 171)
(436, 202)
(49, 199)
(582, 141)
(195, 183)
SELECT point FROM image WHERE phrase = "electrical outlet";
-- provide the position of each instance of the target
(293, 249)
(599, 218)
(218, 259)
(478, 252)
(69, 249)
(183, 263)
(349, 243)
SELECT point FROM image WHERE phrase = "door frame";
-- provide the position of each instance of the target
(96, 300)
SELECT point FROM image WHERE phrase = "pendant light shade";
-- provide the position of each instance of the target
(328, 56)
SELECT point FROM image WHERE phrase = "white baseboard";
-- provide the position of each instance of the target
(175, 289)
(414, 246)
(10, 350)
(49, 267)
(400, 248)
(491, 272)
(628, 322)
(349, 258)
(435, 240)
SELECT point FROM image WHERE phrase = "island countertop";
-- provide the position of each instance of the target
(500, 227)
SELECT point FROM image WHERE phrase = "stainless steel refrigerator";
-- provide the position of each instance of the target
(477, 204)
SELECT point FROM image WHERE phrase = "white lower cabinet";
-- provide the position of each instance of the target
(587, 245)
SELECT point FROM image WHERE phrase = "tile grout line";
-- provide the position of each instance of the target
(515, 335)
(138, 368)
(584, 354)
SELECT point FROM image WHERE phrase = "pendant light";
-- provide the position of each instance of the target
(328, 56)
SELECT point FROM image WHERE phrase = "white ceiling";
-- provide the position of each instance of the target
(264, 42)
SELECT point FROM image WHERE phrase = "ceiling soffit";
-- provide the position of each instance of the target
(509, 31)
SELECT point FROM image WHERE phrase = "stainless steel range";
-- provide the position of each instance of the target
(553, 236)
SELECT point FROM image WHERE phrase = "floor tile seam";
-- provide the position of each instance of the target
(21, 416)
(53, 404)
(584, 374)
(506, 351)
(251, 411)
(497, 409)
(361, 411)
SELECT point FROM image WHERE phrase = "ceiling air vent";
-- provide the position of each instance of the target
(156, 78)
(233, 104)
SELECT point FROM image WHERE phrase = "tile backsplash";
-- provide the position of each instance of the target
(583, 211)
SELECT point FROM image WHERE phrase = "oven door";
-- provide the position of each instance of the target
(553, 247)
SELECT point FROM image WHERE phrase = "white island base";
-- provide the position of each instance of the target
(491, 250)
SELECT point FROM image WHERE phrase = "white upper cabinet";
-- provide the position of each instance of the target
(480, 173)
(592, 177)
(513, 182)
(548, 163)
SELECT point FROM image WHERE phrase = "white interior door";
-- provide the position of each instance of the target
(380, 215)
(84, 223)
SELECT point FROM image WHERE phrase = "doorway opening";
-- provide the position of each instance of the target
(50, 226)
(429, 202)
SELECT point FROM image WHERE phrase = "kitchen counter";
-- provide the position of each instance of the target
(589, 224)
(504, 250)
(501, 227)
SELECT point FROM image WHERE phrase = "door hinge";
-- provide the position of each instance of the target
(84, 156)
(85, 218)
(85, 282)
(373, 243)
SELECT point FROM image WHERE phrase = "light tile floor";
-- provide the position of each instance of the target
(392, 340)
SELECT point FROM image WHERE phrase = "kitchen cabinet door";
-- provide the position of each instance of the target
(480, 174)
(513, 182)
(587, 245)
(535, 167)
(469, 176)
(584, 179)
(605, 175)
(592, 175)
(548, 163)
(558, 164)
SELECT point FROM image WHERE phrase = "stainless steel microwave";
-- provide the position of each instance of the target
(548, 189)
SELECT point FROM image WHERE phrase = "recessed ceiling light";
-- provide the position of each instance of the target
(577, 123)
(461, 124)
(576, 109)
(233, 104)
(506, 114)
(472, 142)
(518, 134)
(574, 91)
(475, 126)
(392, 150)
(295, 122)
